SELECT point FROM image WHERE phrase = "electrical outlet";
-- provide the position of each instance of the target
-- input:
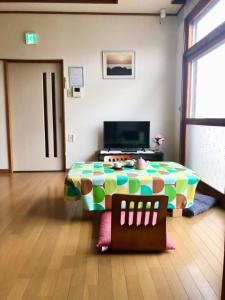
(70, 138)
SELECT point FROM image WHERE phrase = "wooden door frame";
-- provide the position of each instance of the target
(223, 279)
(8, 105)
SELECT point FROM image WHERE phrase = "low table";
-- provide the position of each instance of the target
(94, 183)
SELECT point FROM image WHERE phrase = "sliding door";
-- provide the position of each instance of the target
(36, 110)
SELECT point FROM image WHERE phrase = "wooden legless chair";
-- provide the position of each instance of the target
(138, 223)
(113, 158)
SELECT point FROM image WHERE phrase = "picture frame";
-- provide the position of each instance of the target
(118, 64)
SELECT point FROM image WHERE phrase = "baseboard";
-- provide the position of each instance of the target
(208, 190)
(4, 171)
(40, 171)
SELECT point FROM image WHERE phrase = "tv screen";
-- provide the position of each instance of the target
(119, 134)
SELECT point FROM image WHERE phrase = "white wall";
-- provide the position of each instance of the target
(79, 40)
(3, 134)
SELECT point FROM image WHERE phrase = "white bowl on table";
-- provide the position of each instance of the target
(117, 165)
(129, 163)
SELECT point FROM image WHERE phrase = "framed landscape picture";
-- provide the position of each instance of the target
(119, 64)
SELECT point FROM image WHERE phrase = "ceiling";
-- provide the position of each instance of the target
(123, 6)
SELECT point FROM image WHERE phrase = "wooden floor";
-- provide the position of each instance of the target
(47, 251)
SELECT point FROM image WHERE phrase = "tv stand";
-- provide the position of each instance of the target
(147, 154)
(128, 150)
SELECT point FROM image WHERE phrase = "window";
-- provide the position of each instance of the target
(206, 22)
(206, 153)
(203, 106)
(208, 92)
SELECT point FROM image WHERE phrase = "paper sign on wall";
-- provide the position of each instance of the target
(76, 77)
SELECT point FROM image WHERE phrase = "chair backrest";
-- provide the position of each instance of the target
(139, 222)
(113, 158)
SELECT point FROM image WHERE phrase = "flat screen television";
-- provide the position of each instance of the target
(126, 134)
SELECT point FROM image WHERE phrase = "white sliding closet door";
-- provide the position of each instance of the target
(35, 95)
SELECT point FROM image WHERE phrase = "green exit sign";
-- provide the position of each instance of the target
(31, 38)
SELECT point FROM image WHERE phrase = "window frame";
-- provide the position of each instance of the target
(191, 52)
(205, 45)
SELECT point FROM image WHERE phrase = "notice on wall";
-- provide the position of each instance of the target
(76, 77)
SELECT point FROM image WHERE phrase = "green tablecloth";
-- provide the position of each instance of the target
(95, 182)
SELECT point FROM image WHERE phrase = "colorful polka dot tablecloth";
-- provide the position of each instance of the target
(95, 182)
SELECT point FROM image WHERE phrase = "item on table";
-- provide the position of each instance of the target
(141, 163)
(117, 164)
(129, 163)
(158, 140)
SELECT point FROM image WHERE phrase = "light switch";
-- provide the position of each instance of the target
(69, 93)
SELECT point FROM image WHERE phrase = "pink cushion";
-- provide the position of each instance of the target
(104, 238)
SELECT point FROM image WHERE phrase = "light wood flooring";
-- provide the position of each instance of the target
(47, 250)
